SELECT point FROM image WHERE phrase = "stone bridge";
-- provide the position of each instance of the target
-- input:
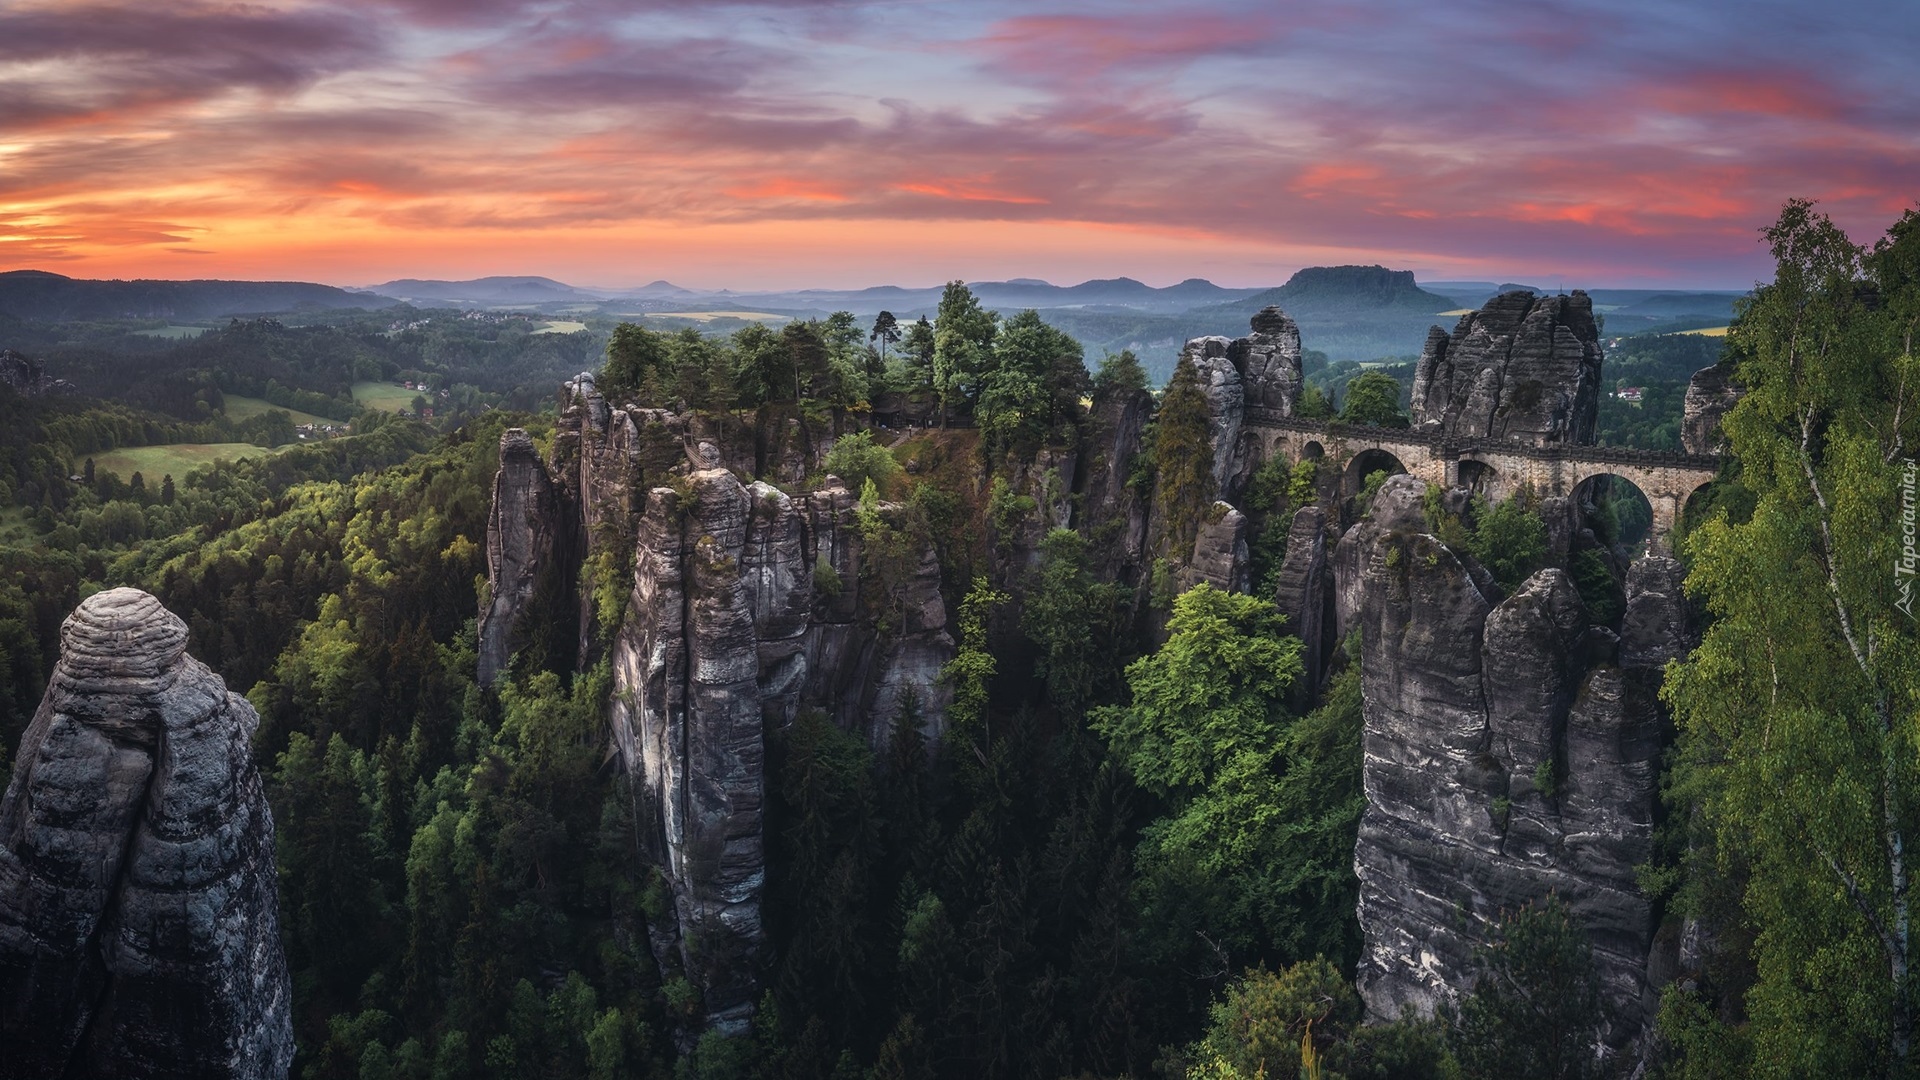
(1492, 468)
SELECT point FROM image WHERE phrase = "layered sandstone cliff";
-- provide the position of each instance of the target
(139, 925)
(744, 605)
(1511, 752)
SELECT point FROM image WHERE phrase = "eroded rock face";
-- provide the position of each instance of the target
(1220, 551)
(1114, 513)
(1511, 752)
(139, 922)
(520, 534)
(1523, 368)
(1259, 371)
(1710, 395)
(746, 604)
(28, 377)
(1305, 597)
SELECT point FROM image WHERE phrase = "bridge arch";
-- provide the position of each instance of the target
(1666, 487)
(1364, 464)
(1619, 511)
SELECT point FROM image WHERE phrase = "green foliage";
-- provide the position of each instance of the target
(1032, 386)
(972, 667)
(1314, 404)
(1373, 398)
(637, 363)
(963, 334)
(1006, 511)
(1371, 486)
(1306, 1021)
(1120, 373)
(1509, 540)
(1256, 848)
(1183, 451)
(1536, 1008)
(1075, 620)
(1599, 591)
(857, 459)
(1796, 712)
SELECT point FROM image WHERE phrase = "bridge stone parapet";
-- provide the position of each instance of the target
(1495, 468)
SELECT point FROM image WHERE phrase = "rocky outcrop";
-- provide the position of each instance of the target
(1523, 368)
(1114, 513)
(746, 604)
(1305, 597)
(1259, 371)
(1220, 557)
(28, 377)
(1511, 752)
(139, 924)
(1711, 394)
(686, 715)
(520, 530)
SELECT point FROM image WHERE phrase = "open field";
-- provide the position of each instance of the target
(1710, 331)
(709, 316)
(179, 459)
(174, 332)
(245, 408)
(563, 327)
(14, 527)
(385, 396)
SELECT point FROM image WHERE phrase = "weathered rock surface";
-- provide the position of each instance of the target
(1305, 596)
(139, 923)
(1711, 393)
(520, 538)
(1523, 368)
(1114, 513)
(1259, 371)
(1510, 753)
(746, 604)
(28, 377)
(1220, 557)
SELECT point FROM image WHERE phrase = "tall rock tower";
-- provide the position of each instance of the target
(139, 921)
(1524, 368)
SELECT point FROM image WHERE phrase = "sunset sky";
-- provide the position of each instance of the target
(804, 143)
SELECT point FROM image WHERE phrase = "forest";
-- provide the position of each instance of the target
(1131, 854)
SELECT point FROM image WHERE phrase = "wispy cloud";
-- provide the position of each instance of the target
(373, 138)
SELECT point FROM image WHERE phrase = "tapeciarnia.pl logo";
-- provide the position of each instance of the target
(1908, 563)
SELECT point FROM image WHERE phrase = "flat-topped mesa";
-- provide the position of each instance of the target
(139, 922)
(1523, 368)
(1260, 371)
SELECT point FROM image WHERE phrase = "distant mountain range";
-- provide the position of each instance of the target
(39, 295)
(1348, 312)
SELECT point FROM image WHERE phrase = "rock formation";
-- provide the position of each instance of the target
(1220, 551)
(745, 605)
(139, 926)
(1304, 595)
(28, 377)
(1710, 394)
(1114, 512)
(1511, 752)
(1259, 371)
(520, 541)
(1524, 368)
